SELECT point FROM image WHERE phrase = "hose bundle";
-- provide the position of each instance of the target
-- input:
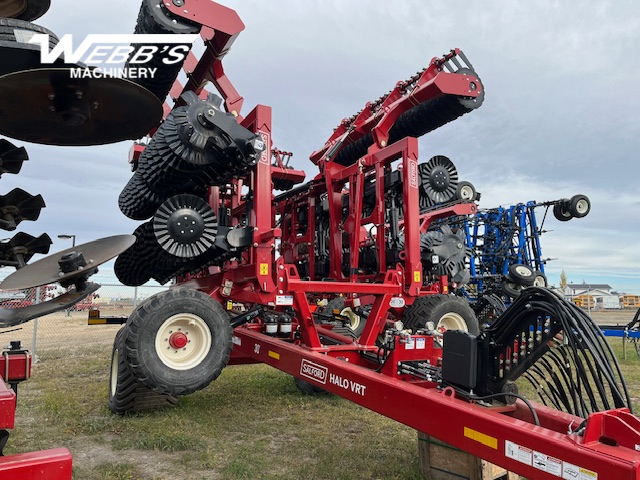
(579, 372)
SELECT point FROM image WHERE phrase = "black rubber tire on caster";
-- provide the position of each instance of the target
(356, 322)
(126, 394)
(203, 328)
(444, 311)
(540, 280)
(465, 191)
(579, 206)
(521, 274)
(512, 290)
(561, 211)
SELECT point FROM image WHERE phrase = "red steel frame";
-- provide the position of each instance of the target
(55, 464)
(505, 436)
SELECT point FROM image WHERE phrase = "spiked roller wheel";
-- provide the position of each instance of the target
(154, 18)
(419, 120)
(11, 157)
(17, 206)
(137, 201)
(69, 267)
(19, 250)
(438, 179)
(450, 248)
(28, 10)
(48, 106)
(185, 226)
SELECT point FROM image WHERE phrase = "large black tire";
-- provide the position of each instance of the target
(126, 394)
(356, 322)
(179, 341)
(446, 312)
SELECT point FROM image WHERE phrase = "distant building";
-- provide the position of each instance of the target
(592, 295)
(630, 301)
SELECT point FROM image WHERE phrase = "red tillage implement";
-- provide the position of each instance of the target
(365, 237)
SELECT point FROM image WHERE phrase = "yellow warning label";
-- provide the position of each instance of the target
(264, 269)
(275, 355)
(481, 438)
(587, 473)
(417, 276)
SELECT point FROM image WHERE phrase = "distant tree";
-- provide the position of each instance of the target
(563, 279)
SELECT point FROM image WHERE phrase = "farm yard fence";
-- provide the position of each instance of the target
(69, 330)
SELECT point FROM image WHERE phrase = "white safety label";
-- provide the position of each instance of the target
(547, 463)
(284, 300)
(518, 452)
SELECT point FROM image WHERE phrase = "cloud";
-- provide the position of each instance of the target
(560, 115)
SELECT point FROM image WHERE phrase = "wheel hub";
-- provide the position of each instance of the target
(178, 340)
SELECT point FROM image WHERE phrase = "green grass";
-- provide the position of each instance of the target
(251, 423)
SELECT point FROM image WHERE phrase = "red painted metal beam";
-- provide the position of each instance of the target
(516, 444)
(7, 406)
(53, 464)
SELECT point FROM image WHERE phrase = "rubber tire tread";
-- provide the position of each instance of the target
(144, 323)
(131, 395)
(431, 308)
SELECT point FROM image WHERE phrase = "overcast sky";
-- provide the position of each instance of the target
(560, 115)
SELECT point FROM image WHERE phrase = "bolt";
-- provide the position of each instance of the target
(177, 3)
(52, 96)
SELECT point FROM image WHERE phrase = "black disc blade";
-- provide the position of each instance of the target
(47, 106)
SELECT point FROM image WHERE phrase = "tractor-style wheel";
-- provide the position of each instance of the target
(444, 312)
(521, 274)
(126, 394)
(579, 206)
(561, 211)
(180, 341)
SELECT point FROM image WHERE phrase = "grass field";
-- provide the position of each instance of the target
(251, 423)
